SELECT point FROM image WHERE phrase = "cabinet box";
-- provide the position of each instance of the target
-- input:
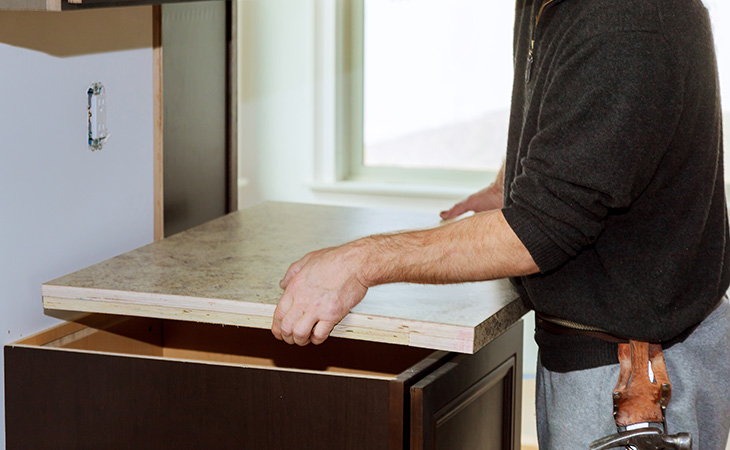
(118, 382)
(177, 352)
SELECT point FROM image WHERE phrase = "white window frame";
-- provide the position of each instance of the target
(339, 85)
(338, 118)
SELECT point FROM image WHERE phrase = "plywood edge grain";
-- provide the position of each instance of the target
(257, 315)
(161, 311)
(84, 321)
(30, 5)
(334, 372)
(85, 331)
(158, 179)
(130, 300)
(51, 334)
(232, 104)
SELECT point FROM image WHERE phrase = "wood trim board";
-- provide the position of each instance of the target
(227, 271)
(30, 5)
(232, 106)
(64, 5)
(158, 178)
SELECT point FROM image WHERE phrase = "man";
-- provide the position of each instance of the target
(613, 216)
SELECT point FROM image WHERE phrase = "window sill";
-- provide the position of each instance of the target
(390, 189)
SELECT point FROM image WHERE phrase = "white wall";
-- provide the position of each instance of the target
(277, 76)
(63, 207)
(278, 158)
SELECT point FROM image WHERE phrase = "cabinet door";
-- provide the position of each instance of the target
(472, 401)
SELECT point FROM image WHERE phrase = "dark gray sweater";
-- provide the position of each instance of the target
(614, 177)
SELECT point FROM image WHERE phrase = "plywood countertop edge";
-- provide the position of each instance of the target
(256, 315)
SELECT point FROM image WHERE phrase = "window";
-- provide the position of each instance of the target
(431, 104)
(437, 83)
(427, 87)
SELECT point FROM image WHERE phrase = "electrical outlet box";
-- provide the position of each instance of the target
(98, 132)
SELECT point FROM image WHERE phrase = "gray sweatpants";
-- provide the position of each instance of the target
(575, 408)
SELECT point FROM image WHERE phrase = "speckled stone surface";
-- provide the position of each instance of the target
(229, 268)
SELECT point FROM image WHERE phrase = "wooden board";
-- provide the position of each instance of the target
(30, 5)
(63, 5)
(227, 271)
(157, 155)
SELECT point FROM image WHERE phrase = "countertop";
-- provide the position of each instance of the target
(227, 271)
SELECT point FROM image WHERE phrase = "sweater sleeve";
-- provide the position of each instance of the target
(606, 118)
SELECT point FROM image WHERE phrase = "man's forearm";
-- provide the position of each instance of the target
(321, 288)
(480, 247)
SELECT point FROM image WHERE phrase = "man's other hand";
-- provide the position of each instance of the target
(319, 290)
(487, 199)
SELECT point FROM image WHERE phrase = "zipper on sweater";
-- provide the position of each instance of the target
(530, 56)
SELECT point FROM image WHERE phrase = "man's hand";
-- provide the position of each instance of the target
(487, 199)
(322, 288)
(319, 290)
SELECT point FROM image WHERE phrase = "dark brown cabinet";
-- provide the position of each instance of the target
(120, 382)
(178, 353)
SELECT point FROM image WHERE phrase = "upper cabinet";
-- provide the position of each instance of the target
(65, 5)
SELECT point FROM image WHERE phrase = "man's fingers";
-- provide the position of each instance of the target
(487, 199)
(282, 308)
(291, 272)
(302, 332)
(290, 320)
(317, 286)
(321, 331)
(455, 211)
